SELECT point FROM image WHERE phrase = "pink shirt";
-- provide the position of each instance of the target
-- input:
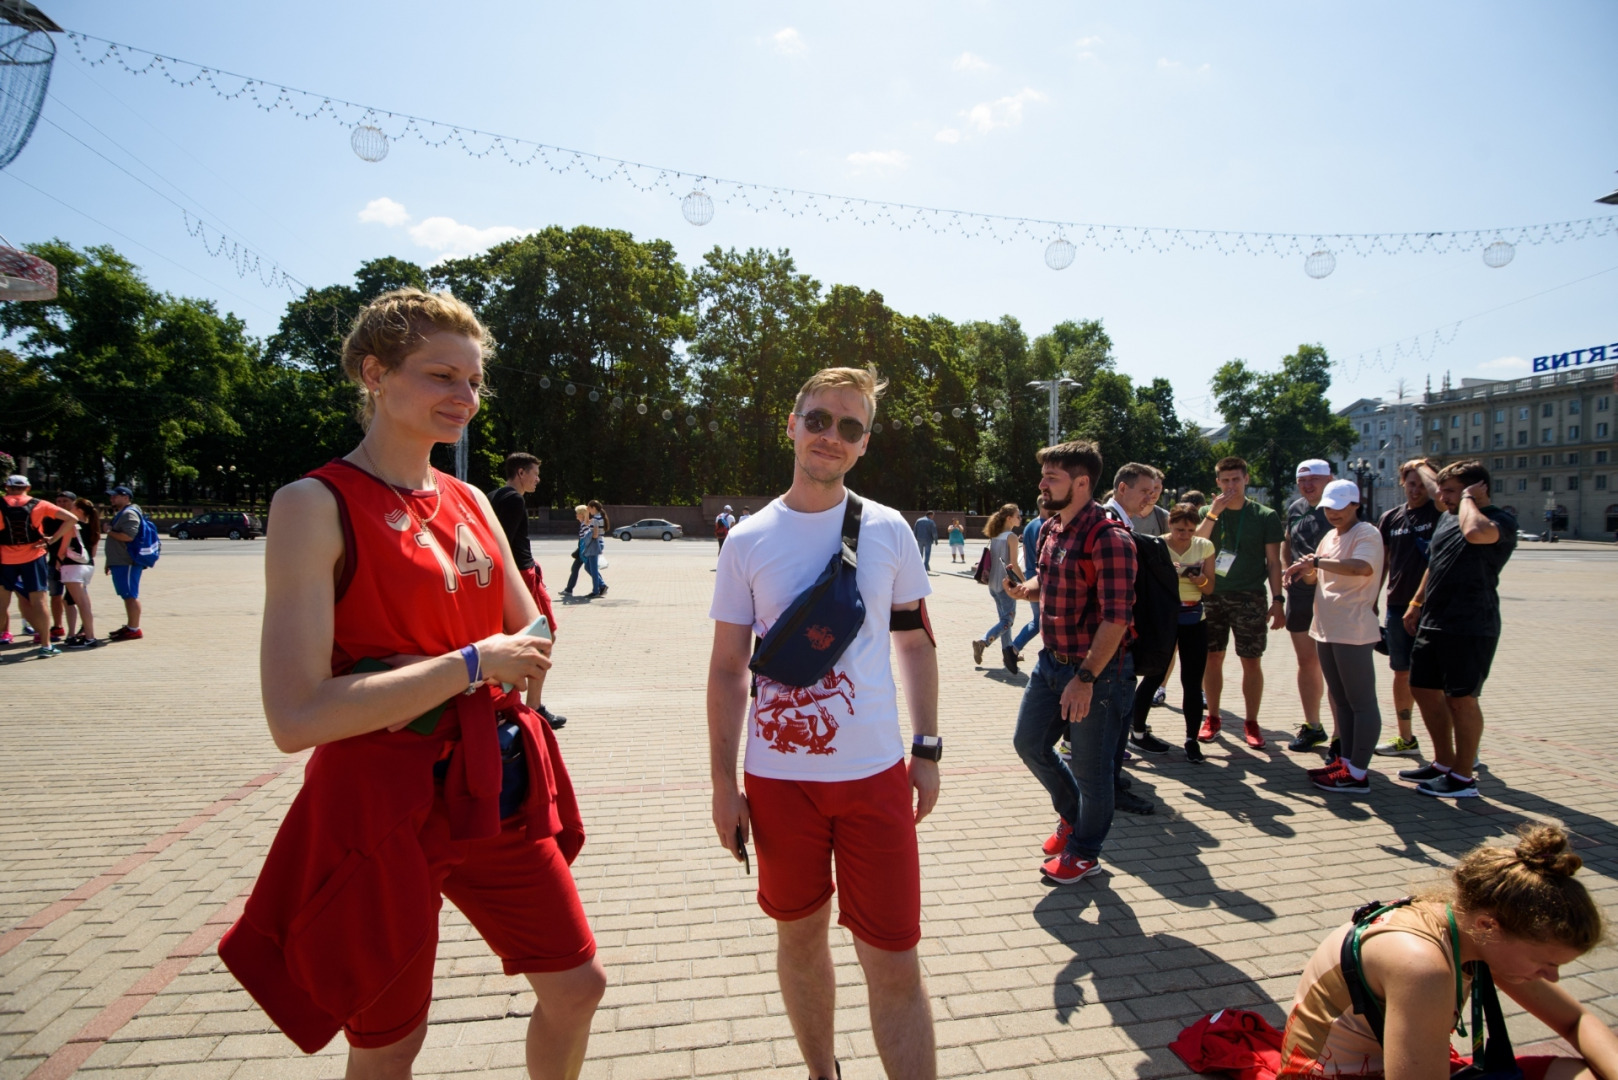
(1343, 602)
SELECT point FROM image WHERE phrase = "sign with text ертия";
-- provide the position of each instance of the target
(1595, 354)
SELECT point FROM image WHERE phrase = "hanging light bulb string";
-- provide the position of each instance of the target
(1062, 237)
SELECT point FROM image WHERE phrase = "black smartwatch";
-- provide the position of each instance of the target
(930, 747)
(1086, 675)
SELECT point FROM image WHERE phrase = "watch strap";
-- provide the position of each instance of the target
(930, 747)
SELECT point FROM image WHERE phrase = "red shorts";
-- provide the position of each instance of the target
(1533, 1068)
(520, 897)
(870, 828)
(535, 580)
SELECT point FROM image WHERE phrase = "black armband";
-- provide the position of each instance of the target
(913, 620)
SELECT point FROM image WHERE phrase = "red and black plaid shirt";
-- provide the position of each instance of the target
(1078, 593)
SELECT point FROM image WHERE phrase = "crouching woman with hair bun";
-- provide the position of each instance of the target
(1510, 918)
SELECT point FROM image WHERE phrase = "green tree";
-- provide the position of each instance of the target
(1280, 418)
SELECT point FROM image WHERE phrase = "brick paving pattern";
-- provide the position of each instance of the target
(142, 790)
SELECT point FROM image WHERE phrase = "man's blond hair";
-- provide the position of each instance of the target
(865, 380)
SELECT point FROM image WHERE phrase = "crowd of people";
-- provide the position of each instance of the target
(49, 558)
(410, 642)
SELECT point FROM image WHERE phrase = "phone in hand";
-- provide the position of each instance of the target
(1190, 571)
(540, 628)
(741, 850)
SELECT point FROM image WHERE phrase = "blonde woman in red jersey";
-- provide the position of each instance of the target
(390, 625)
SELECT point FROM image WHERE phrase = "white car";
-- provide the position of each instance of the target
(649, 529)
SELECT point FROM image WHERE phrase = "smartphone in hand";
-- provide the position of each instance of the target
(540, 628)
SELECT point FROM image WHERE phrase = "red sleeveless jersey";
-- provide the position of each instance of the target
(405, 587)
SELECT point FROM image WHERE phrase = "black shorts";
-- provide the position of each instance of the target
(1300, 608)
(1454, 663)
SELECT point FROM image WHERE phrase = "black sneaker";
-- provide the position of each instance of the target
(1130, 803)
(1450, 786)
(1148, 743)
(1193, 751)
(555, 722)
(1423, 774)
(1334, 750)
(1008, 657)
(1308, 738)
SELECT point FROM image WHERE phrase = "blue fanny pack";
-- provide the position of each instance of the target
(818, 627)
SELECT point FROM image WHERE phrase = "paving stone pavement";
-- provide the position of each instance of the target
(141, 791)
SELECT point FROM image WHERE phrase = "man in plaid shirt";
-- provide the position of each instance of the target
(1083, 683)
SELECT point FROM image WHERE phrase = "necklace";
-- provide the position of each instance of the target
(438, 500)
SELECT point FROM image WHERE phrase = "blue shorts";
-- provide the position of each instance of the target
(126, 582)
(1399, 644)
(25, 577)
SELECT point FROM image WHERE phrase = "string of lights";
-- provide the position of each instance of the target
(373, 129)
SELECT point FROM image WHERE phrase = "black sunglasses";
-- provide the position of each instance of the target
(817, 421)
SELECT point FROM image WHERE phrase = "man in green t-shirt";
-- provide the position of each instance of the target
(1247, 545)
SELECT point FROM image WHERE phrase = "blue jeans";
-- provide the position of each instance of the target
(1026, 634)
(591, 564)
(1083, 794)
(1008, 612)
(926, 556)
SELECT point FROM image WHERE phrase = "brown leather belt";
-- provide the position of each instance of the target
(1067, 659)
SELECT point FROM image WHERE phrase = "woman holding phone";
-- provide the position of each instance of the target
(390, 624)
(1193, 557)
(1001, 530)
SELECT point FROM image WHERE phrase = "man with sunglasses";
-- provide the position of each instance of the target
(825, 774)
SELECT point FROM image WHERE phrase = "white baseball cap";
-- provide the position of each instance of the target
(727, 508)
(1314, 467)
(17, 480)
(1340, 494)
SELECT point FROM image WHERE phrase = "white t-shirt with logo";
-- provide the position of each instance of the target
(846, 727)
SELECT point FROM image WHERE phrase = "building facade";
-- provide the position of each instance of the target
(1388, 434)
(1550, 442)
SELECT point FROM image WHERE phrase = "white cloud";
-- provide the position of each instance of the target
(878, 160)
(948, 135)
(1002, 112)
(384, 211)
(1088, 42)
(1505, 364)
(788, 41)
(1165, 64)
(454, 240)
(445, 235)
(970, 62)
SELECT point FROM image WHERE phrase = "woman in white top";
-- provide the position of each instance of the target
(1193, 557)
(1002, 533)
(1348, 568)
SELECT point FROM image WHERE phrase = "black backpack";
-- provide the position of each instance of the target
(20, 523)
(1156, 615)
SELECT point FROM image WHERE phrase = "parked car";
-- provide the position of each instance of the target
(229, 523)
(649, 529)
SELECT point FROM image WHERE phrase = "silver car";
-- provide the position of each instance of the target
(649, 529)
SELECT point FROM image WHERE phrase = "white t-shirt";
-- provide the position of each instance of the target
(1343, 602)
(847, 726)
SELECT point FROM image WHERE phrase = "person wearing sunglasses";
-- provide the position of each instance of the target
(825, 780)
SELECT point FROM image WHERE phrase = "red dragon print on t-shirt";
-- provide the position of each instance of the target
(790, 717)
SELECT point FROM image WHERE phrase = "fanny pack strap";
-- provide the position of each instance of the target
(853, 509)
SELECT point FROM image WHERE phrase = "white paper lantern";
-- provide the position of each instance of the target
(915, 421)
(713, 425)
(668, 414)
(544, 382)
(641, 408)
(697, 207)
(938, 417)
(1319, 263)
(877, 427)
(690, 421)
(957, 412)
(1060, 253)
(617, 402)
(594, 396)
(1498, 254)
(369, 142)
(570, 390)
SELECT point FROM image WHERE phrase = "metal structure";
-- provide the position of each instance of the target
(1054, 386)
(26, 55)
(24, 276)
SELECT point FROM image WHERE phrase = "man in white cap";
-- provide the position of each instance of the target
(1305, 525)
(23, 568)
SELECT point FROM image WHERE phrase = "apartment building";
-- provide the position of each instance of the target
(1388, 434)
(1549, 441)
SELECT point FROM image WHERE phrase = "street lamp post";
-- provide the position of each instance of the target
(1055, 387)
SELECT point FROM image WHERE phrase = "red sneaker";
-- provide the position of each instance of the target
(1067, 868)
(1057, 840)
(1334, 767)
(57, 633)
(1254, 737)
(124, 633)
(1209, 730)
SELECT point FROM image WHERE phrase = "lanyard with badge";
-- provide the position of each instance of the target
(1227, 558)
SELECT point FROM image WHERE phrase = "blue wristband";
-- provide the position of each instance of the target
(474, 667)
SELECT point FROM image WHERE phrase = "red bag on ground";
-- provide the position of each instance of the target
(1236, 1041)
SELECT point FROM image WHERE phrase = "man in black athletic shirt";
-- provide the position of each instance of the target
(522, 477)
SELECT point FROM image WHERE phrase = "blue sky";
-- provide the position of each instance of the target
(1292, 117)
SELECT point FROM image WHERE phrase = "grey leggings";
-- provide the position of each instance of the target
(1351, 682)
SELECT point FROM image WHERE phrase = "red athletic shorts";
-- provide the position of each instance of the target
(518, 894)
(870, 828)
(534, 578)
